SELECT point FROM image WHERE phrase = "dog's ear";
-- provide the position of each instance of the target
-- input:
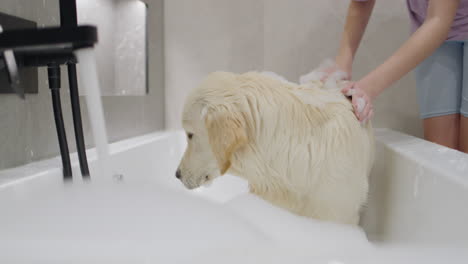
(226, 133)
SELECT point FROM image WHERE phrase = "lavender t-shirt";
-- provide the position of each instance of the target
(417, 11)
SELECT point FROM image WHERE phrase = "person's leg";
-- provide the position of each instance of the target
(463, 134)
(443, 130)
(439, 83)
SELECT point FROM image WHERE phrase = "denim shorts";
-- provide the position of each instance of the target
(442, 81)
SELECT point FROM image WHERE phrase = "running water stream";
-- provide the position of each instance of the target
(89, 80)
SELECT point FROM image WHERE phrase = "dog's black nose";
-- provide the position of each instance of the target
(177, 174)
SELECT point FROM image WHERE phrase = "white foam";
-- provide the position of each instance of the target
(145, 223)
(93, 221)
(223, 189)
(361, 103)
(319, 73)
(333, 81)
(311, 77)
(286, 228)
(350, 92)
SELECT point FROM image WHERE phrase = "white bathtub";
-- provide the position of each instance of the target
(417, 211)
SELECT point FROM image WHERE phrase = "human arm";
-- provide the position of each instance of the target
(419, 46)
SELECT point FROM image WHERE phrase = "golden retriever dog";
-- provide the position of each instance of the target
(300, 147)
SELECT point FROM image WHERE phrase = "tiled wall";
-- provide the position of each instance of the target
(130, 53)
(27, 128)
(105, 21)
(120, 53)
(289, 37)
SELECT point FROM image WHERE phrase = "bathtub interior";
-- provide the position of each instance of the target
(417, 191)
(143, 211)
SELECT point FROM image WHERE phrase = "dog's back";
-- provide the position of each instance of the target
(307, 152)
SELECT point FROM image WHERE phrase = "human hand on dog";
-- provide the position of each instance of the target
(336, 70)
(362, 102)
(327, 70)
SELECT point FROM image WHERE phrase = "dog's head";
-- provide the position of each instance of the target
(215, 128)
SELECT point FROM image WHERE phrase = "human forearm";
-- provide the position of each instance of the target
(356, 22)
(421, 45)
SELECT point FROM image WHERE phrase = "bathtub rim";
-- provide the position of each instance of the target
(413, 148)
(30, 171)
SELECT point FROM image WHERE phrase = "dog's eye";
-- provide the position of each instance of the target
(189, 135)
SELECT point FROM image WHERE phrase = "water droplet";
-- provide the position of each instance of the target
(419, 174)
(118, 177)
(172, 152)
(462, 165)
(442, 150)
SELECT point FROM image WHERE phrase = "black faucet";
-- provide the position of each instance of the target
(51, 47)
(9, 63)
